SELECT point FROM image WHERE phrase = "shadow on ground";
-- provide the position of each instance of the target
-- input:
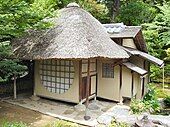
(9, 112)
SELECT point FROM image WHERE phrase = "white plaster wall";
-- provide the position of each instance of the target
(93, 84)
(126, 82)
(137, 85)
(72, 95)
(108, 88)
(129, 43)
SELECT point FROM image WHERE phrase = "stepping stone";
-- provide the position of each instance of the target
(104, 119)
(80, 107)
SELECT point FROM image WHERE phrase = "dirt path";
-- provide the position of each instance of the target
(10, 112)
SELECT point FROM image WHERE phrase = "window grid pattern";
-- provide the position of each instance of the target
(57, 75)
(107, 70)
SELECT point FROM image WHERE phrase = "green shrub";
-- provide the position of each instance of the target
(62, 123)
(151, 100)
(149, 103)
(167, 101)
(14, 124)
(138, 106)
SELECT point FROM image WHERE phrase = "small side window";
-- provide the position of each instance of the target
(107, 70)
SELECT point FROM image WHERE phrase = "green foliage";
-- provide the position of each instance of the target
(167, 101)
(9, 67)
(162, 20)
(114, 123)
(136, 13)
(168, 55)
(98, 10)
(149, 103)
(62, 123)
(157, 36)
(151, 100)
(138, 106)
(16, 17)
(14, 124)
(5, 50)
(161, 93)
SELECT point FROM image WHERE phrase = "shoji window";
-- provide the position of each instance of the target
(57, 75)
(107, 70)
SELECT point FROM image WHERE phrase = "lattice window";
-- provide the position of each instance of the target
(107, 70)
(57, 75)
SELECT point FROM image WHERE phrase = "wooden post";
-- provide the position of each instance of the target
(141, 83)
(15, 87)
(132, 87)
(80, 81)
(86, 117)
(120, 90)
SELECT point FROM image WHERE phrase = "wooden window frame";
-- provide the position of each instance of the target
(107, 70)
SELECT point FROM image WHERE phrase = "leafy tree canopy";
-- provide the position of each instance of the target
(136, 13)
(157, 36)
(17, 16)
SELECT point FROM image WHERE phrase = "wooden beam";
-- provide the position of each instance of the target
(141, 84)
(80, 80)
(143, 80)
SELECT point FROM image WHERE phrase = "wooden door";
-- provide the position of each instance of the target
(84, 84)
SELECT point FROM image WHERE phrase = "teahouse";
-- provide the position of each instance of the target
(77, 58)
(61, 54)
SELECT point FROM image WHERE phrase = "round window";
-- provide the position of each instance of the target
(57, 75)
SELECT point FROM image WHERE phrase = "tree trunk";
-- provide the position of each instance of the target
(15, 87)
(116, 6)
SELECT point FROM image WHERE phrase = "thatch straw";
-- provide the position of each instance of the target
(76, 34)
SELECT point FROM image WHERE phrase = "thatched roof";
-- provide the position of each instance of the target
(76, 34)
(133, 32)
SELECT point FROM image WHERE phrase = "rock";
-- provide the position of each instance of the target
(127, 119)
(104, 119)
(164, 120)
(144, 122)
(119, 111)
